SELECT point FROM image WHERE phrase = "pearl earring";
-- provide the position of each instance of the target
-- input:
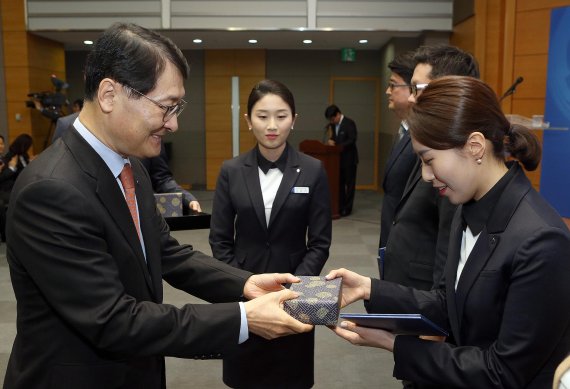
(479, 161)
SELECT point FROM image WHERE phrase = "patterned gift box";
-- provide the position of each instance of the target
(169, 204)
(318, 301)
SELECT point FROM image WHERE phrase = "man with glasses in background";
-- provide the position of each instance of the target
(402, 157)
(88, 250)
(416, 249)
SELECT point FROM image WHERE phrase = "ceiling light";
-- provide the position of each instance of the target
(307, 41)
(88, 42)
(197, 40)
(363, 41)
(253, 41)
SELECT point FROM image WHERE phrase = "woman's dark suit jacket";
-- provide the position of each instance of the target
(510, 315)
(297, 241)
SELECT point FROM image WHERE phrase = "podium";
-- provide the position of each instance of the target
(330, 157)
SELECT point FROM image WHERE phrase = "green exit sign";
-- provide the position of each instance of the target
(348, 55)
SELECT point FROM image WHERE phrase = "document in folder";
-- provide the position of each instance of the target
(401, 324)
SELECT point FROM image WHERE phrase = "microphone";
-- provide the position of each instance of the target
(512, 88)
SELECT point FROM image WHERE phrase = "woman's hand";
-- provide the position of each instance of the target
(363, 336)
(354, 286)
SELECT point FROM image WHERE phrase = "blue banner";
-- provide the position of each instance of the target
(555, 175)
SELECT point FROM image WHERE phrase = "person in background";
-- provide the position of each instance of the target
(416, 249)
(15, 160)
(88, 249)
(271, 213)
(2, 148)
(2, 203)
(163, 181)
(64, 122)
(402, 157)
(505, 293)
(343, 133)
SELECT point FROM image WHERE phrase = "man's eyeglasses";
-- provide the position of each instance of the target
(393, 85)
(169, 110)
(417, 88)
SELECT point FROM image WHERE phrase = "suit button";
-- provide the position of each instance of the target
(267, 244)
(393, 222)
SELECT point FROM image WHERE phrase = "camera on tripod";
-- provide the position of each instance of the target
(50, 103)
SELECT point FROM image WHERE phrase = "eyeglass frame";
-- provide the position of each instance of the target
(415, 88)
(393, 85)
(169, 110)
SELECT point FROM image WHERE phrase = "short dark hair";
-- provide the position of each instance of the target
(403, 65)
(273, 87)
(20, 145)
(447, 60)
(331, 111)
(78, 102)
(450, 109)
(133, 56)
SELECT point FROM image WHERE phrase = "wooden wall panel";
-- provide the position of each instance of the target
(246, 140)
(525, 5)
(13, 15)
(217, 89)
(533, 69)
(250, 63)
(28, 63)
(45, 55)
(220, 67)
(531, 32)
(463, 35)
(528, 107)
(220, 144)
(15, 43)
(219, 62)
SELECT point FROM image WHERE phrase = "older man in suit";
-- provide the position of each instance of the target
(88, 249)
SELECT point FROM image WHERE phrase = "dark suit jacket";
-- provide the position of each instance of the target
(416, 249)
(162, 179)
(297, 241)
(398, 168)
(89, 312)
(509, 317)
(346, 138)
(62, 124)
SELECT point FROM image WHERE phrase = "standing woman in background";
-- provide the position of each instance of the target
(15, 160)
(505, 296)
(271, 213)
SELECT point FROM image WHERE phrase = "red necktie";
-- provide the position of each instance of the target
(128, 182)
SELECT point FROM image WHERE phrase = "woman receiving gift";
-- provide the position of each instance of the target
(505, 296)
(272, 213)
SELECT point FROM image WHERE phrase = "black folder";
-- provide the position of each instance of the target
(401, 324)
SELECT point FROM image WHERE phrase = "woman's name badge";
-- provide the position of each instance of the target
(300, 189)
